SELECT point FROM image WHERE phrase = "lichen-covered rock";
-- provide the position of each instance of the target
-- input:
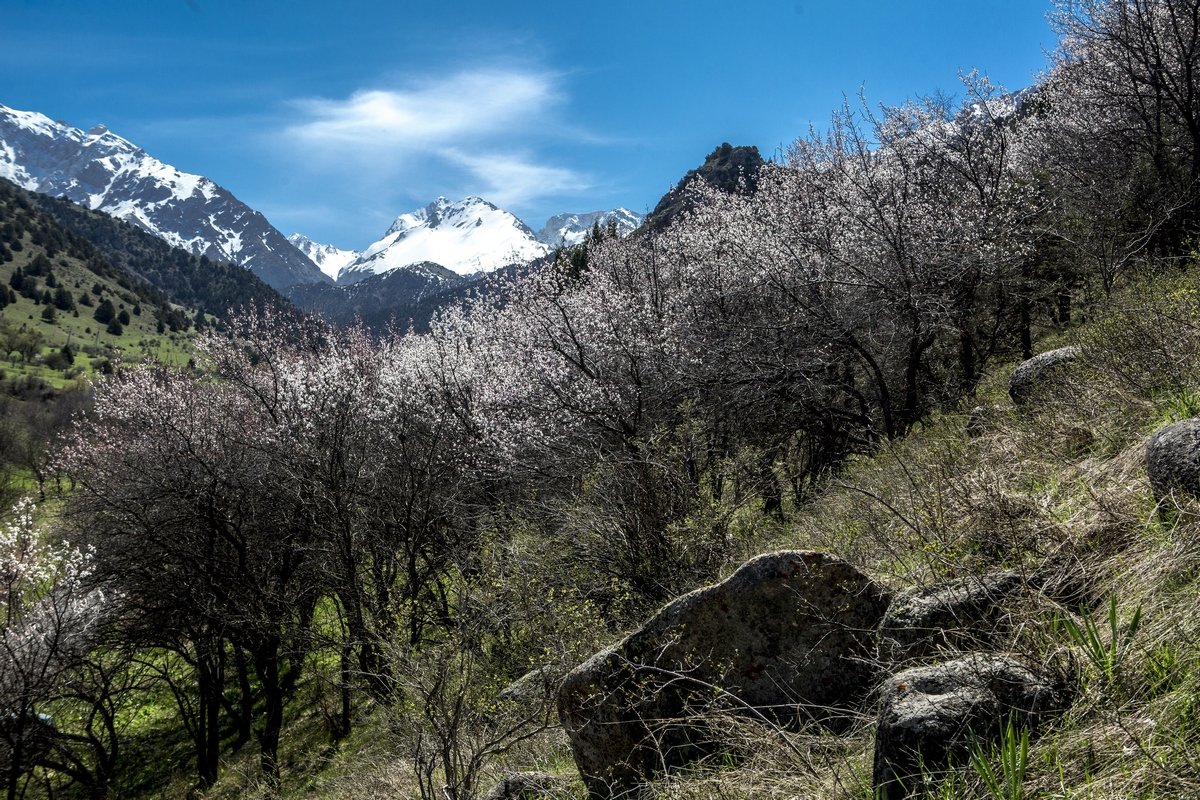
(1173, 459)
(929, 716)
(963, 614)
(788, 634)
(1034, 374)
(533, 688)
(530, 786)
(977, 419)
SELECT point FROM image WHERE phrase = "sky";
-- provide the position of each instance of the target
(332, 118)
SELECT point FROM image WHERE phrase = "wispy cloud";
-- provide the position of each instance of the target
(431, 115)
(482, 124)
(513, 180)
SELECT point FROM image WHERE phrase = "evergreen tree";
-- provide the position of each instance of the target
(63, 300)
(105, 311)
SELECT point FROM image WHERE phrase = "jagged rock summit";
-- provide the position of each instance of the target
(104, 172)
(733, 170)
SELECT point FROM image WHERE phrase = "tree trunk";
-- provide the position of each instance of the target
(266, 665)
(210, 684)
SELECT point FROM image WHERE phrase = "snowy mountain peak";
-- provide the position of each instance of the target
(465, 236)
(107, 173)
(328, 258)
(566, 230)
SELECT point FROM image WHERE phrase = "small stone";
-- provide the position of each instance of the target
(963, 614)
(530, 786)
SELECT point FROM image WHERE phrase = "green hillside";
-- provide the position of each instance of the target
(67, 313)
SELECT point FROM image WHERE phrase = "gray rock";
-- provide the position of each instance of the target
(1035, 374)
(533, 688)
(788, 634)
(929, 716)
(530, 786)
(1173, 459)
(977, 419)
(963, 614)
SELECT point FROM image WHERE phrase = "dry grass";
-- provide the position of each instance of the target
(1058, 490)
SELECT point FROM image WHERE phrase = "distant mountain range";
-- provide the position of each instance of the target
(466, 237)
(436, 247)
(329, 259)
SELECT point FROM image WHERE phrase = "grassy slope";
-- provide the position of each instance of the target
(88, 337)
(1059, 490)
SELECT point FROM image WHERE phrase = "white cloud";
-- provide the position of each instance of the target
(474, 132)
(511, 180)
(430, 115)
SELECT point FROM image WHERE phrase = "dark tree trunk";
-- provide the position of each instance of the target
(210, 685)
(266, 665)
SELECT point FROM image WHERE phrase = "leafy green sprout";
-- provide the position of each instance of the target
(1106, 654)
(1002, 768)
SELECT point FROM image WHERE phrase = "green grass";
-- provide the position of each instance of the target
(95, 347)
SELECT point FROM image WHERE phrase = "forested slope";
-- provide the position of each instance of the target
(398, 547)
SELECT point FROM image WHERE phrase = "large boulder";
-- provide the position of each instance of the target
(963, 614)
(1039, 372)
(788, 634)
(1173, 459)
(930, 715)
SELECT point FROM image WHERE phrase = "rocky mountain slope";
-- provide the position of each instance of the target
(567, 230)
(211, 286)
(104, 172)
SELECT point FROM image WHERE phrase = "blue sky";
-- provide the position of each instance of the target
(333, 117)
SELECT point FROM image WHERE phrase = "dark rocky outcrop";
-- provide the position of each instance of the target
(930, 715)
(530, 786)
(1173, 459)
(787, 634)
(1037, 373)
(964, 614)
(733, 170)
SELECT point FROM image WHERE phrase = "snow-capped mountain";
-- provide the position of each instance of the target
(467, 236)
(328, 258)
(566, 230)
(102, 171)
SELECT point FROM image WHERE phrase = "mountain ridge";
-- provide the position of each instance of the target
(102, 171)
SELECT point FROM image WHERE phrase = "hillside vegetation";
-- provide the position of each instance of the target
(324, 564)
